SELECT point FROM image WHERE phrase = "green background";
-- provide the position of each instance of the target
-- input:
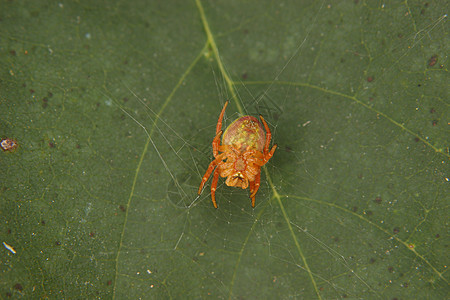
(354, 203)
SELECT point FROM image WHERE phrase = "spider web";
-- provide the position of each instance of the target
(351, 204)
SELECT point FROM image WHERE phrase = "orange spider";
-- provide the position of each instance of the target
(245, 149)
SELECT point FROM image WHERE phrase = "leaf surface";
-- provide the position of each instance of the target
(114, 106)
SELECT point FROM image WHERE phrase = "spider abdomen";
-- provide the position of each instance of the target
(245, 133)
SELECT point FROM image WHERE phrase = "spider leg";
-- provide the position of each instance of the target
(270, 154)
(214, 186)
(252, 188)
(268, 135)
(219, 122)
(216, 143)
(208, 172)
(256, 188)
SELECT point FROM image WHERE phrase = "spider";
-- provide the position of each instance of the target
(244, 150)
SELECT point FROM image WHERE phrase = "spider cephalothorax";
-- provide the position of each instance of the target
(244, 150)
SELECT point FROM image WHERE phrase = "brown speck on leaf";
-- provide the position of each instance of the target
(8, 144)
(435, 122)
(12, 52)
(354, 209)
(391, 269)
(437, 235)
(18, 287)
(405, 285)
(51, 145)
(433, 60)
(400, 35)
(396, 230)
(125, 99)
(122, 208)
(372, 260)
(8, 294)
(42, 222)
(378, 200)
(244, 76)
(77, 146)
(31, 91)
(50, 94)
(109, 282)
(369, 213)
(416, 139)
(91, 234)
(58, 243)
(370, 79)
(432, 110)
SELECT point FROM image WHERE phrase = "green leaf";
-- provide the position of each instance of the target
(114, 106)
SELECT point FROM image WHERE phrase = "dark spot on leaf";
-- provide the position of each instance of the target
(77, 146)
(45, 99)
(18, 287)
(369, 213)
(42, 222)
(91, 234)
(58, 243)
(372, 260)
(321, 288)
(396, 230)
(394, 299)
(244, 76)
(8, 294)
(378, 200)
(125, 62)
(435, 122)
(360, 176)
(122, 117)
(51, 145)
(125, 99)
(9, 231)
(336, 239)
(122, 208)
(422, 11)
(405, 285)
(44, 105)
(24, 85)
(400, 35)
(109, 282)
(432, 110)
(12, 52)
(31, 91)
(416, 139)
(391, 269)
(419, 85)
(370, 79)
(50, 94)
(245, 31)
(344, 296)
(287, 148)
(354, 208)
(437, 236)
(195, 258)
